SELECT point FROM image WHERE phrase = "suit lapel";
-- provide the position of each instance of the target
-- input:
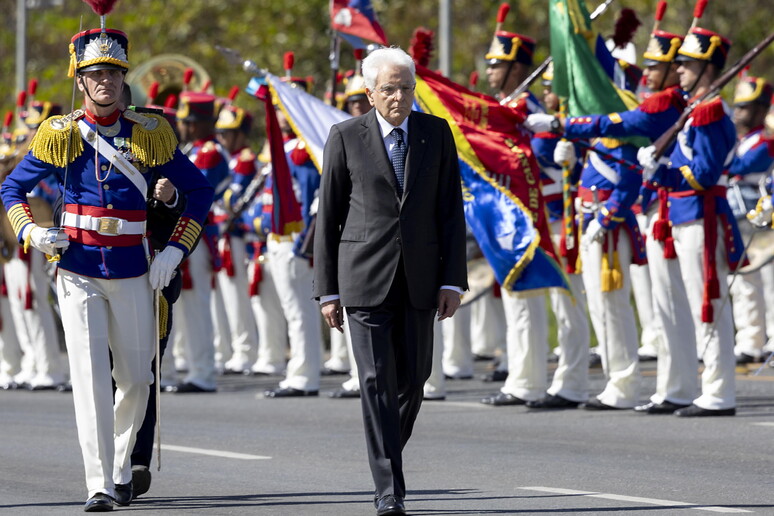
(374, 142)
(418, 145)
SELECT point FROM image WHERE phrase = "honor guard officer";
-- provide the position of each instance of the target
(233, 128)
(193, 330)
(749, 173)
(102, 158)
(706, 238)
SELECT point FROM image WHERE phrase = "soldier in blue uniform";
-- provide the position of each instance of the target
(705, 235)
(103, 158)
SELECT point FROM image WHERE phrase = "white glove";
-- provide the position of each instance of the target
(47, 240)
(163, 266)
(761, 216)
(539, 122)
(564, 154)
(648, 162)
(594, 233)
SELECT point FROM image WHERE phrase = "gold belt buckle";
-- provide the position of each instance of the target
(108, 225)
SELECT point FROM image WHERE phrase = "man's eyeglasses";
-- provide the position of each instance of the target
(389, 90)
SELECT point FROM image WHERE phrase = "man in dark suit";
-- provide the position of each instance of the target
(390, 247)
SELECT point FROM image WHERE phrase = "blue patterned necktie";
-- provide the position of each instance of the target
(399, 157)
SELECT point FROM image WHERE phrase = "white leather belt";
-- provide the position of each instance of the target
(112, 226)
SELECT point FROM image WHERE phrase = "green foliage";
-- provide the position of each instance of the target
(262, 30)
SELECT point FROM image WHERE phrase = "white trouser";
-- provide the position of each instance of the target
(293, 279)
(527, 344)
(272, 327)
(193, 321)
(650, 326)
(101, 317)
(749, 311)
(221, 331)
(716, 347)
(571, 378)
(241, 321)
(339, 359)
(487, 325)
(353, 383)
(767, 278)
(10, 350)
(457, 357)
(612, 318)
(35, 326)
(435, 386)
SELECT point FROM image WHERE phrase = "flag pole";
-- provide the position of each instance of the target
(334, 58)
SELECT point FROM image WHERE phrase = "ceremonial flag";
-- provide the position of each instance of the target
(356, 20)
(501, 183)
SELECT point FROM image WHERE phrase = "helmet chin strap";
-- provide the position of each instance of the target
(698, 77)
(88, 94)
(507, 74)
(664, 77)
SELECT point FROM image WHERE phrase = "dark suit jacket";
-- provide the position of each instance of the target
(364, 228)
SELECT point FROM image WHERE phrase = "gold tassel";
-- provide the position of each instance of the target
(50, 144)
(616, 275)
(153, 143)
(606, 277)
(163, 316)
(71, 70)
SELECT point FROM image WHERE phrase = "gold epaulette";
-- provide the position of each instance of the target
(153, 140)
(58, 140)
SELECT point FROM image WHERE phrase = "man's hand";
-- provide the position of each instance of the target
(448, 302)
(47, 240)
(333, 313)
(648, 161)
(540, 122)
(164, 190)
(595, 232)
(564, 154)
(163, 266)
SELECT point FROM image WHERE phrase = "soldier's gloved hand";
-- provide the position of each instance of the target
(46, 240)
(540, 122)
(595, 233)
(648, 161)
(760, 217)
(564, 154)
(164, 266)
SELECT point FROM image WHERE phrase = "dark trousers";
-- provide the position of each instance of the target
(393, 348)
(143, 446)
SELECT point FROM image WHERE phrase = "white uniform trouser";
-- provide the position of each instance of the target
(571, 378)
(353, 383)
(612, 318)
(221, 331)
(97, 314)
(650, 326)
(527, 344)
(193, 321)
(272, 327)
(435, 386)
(339, 359)
(241, 321)
(676, 379)
(293, 278)
(749, 311)
(10, 350)
(487, 325)
(457, 357)
(767, 277)
(716, 347)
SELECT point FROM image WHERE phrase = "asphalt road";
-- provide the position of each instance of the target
(235, 452)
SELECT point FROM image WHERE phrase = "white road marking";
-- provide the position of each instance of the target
(636, 499)
(764, 424)
(213, 453)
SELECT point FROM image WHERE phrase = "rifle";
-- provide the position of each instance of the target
(525, 85)
(666, 139)
(244, 200)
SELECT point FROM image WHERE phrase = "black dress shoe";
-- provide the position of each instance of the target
(344, 393)
(495, 376)
(100, 502)
(552, 401)
(595, 404)
(744, 358)
(695, 411)
(332, 372)
(123, 494)
(665, 407)
(288, 392)
(461, 377)
(390, 505)
(482, 358)
(502, 399)
(189, 388)
(141, 480)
